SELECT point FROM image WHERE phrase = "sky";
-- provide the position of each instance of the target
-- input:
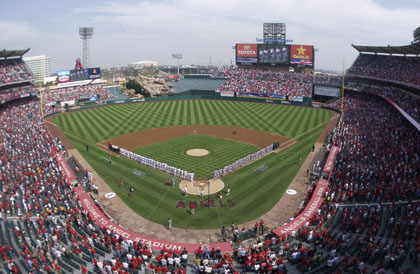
(203, 31)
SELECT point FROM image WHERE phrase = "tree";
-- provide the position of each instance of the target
(139, 89)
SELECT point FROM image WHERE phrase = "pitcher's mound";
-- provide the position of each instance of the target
(202, 187)
(197, 152)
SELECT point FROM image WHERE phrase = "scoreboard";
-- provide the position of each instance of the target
(275, 55)
(77, 75)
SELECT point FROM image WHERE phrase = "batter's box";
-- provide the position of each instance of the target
(261, 168)
(138, 172)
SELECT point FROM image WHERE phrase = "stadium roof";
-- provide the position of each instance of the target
(13, 53)
(409, 49)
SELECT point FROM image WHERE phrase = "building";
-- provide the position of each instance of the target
(39, 64)
(144, 64)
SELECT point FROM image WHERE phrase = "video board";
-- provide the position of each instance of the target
(327, 90)
(246, 53)
(273, 54)
(76, 75)
(301, 55)
(63, 76)
(94, 73)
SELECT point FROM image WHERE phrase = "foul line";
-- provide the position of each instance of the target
(218, 215)
(81, 138)
(306, 132)
(163, 196)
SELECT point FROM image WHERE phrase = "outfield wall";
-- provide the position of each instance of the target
(306, 100)
(192, 95)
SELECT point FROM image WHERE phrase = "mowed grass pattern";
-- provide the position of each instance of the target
(221, 153)
(253, 192)
(99, 124)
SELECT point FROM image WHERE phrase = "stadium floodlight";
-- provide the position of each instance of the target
(86, 34)
(274, 33)
(177, 56)
(416, 35)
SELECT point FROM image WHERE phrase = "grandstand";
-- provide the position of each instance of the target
(392, 64)
(368, 219)
(265, 81)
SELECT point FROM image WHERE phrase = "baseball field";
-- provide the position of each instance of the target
(165, 131)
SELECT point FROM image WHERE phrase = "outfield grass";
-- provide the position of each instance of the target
(253, 192)
(222, 152)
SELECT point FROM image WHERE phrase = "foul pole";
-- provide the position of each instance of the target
(40, 92)
(342, 90)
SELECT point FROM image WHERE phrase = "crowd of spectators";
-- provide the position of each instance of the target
(53, 232)
(15, 93)
(369, 221)
(405, 100)
(379, 153)
(75, 93)
(265, 81)
(13, 70)
(328, 79)
(395, 68)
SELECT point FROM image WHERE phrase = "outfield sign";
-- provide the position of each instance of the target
(99, 218)
(297, 98)
(79, 83)
(263, 96)
(227, 93)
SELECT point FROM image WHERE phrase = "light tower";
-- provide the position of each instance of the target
(86, 34)
(274, 33)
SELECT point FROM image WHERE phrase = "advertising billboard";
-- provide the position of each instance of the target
(246, 53)
(301, 55)
(94, 73)
(177, 56)
(260, 96)
(327, 91)
(79, 83)
(273, 54)
(63, 76)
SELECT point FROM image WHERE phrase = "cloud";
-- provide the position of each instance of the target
(15, 31)
(129, 31)
(203, 28)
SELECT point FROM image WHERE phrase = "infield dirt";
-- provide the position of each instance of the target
(147, 137)
(126, 217)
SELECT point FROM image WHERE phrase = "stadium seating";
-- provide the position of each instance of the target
(75, 93)
(53, 230)
(265, 81)
(14, 70)
(328, 79)
(395, 68)
(407, 101)
(369, 221)
(15, 93)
